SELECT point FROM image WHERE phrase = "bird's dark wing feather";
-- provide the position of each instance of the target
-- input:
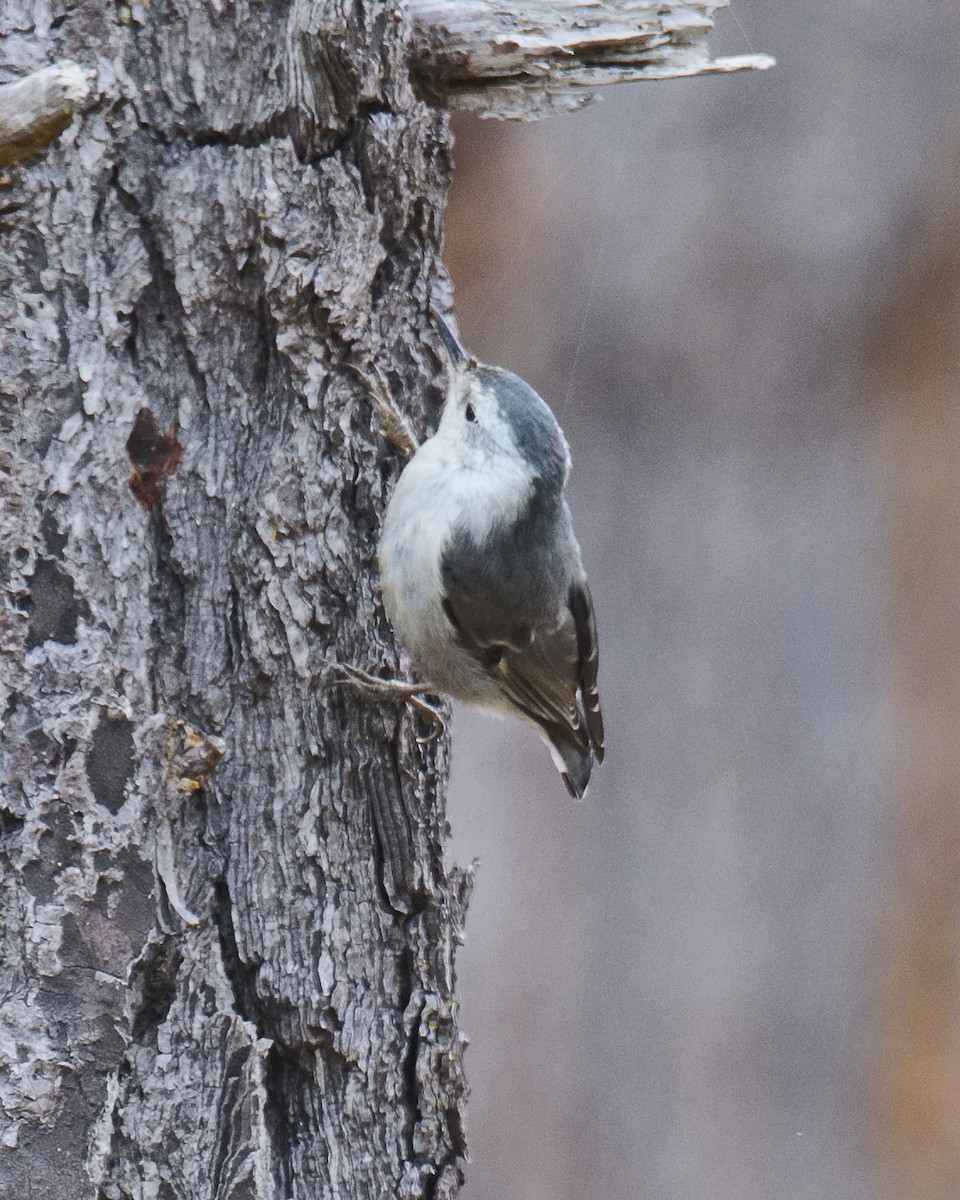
(547, 668)
(501, 598)
(581, 606)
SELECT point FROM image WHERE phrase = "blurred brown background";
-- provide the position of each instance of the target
(733, 972)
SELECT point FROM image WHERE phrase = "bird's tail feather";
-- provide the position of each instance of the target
(574, 764)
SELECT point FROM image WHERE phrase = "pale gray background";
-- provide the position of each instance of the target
(671, 990)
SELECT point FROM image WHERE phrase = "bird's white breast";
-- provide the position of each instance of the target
(437, 494)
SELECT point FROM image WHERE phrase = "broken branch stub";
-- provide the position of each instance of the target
(38, 108)
(530, 58)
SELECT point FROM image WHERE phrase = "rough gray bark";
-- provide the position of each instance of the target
(220, 976)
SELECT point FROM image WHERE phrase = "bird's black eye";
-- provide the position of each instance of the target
(469, 413)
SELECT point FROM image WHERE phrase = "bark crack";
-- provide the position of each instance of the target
(411, 1084)
(240, 975)
(291, 1066)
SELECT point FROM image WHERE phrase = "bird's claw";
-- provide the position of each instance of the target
(395, 426)
(379, 690)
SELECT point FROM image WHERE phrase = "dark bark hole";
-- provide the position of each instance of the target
(110, 761)
(405, 976)
(56, 542)
(155, 976)
(411, 1083)
(130, 343)
(242, 975)
(154, 457)
(234, 630)
(290, 1084)
(52, 605)
(10, 822)
(45, 749)
(382, 279)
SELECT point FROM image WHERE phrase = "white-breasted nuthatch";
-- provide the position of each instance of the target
(481, 572)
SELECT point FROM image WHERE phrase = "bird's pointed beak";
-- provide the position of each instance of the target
(456, 353)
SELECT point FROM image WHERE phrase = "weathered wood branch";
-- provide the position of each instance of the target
(530, 58)
(38, 108)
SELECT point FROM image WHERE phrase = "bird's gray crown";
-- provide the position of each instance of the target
(535, 430)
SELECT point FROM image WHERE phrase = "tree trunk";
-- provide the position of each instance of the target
(221, 977)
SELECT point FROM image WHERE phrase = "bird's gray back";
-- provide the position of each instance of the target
(536, 434)
(518, 577)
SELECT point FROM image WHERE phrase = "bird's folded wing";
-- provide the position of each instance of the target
(581, 606)
(536, 665)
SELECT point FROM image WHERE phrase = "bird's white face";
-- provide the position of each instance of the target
(475, 470)
(475, 432)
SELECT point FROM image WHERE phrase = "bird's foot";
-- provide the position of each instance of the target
(378, 690)
(395, 426)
